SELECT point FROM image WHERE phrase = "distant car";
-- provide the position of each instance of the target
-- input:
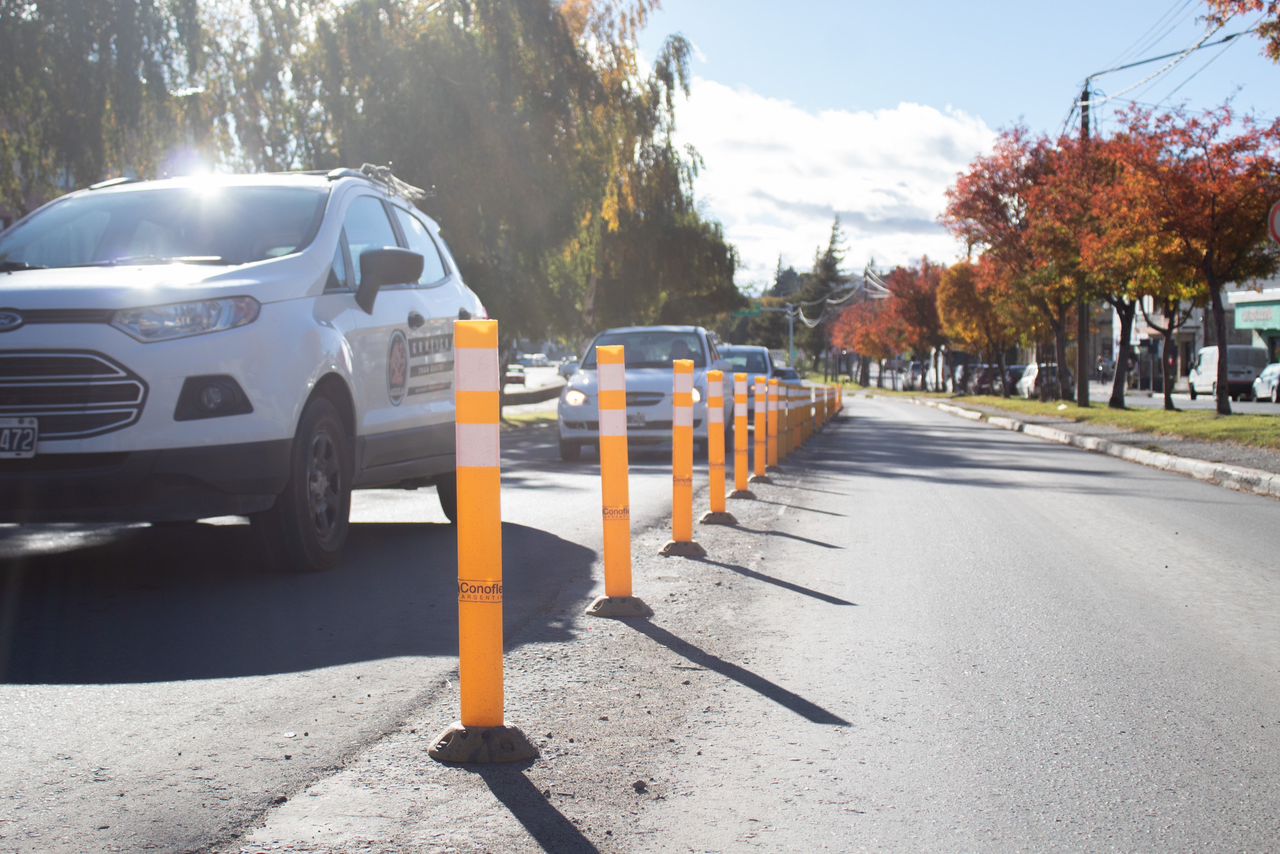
(567, 368)
(650, 377)
(786, 374)
(514, 374)
(985, 379)
(1037, 374)
(1244, 363)
(1267, 385)
(1012, 374)
(913, 378)
(754, 362)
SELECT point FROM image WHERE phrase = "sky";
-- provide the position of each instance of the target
(808, 109)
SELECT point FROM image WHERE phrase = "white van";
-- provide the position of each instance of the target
(1244, 363)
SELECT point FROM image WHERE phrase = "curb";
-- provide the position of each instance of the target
(1239, 478)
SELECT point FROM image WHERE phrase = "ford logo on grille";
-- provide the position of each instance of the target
(9, 321)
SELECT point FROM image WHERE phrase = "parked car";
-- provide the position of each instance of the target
(1037, 374)
(913, 377)
(252, 345)
(567, 368)
(754, 362)
(986, 379)
(514, 374)
(787, 374)
(1012, 374)
(650, 351)
(1267, 385)
(1244, 363)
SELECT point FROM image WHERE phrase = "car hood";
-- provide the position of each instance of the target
(153, 284)
(638, 379)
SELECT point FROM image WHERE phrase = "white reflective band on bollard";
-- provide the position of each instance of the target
(683, 416)
(612, 377)
(684, 383)
(477, 445)
(476, 370)
(715, 414)
(613, 422)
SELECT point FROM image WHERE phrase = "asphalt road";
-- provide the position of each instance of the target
(159, 688)
(949, 637)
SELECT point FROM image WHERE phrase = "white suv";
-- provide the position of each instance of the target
(241, 345)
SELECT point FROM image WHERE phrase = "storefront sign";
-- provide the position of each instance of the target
(1265, 316)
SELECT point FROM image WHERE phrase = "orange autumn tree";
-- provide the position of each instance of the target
(873, 330)
(915, 302)
(971, 305)
(1268, 28)
(1208, 182)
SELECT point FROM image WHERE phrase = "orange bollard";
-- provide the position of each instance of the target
(481, 735)
(682, 544)
(740, 438)
(615, 499)
(715, 450)
(762, 431)
(771, 442)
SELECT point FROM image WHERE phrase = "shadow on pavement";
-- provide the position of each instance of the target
(800, 507)
(546, 824)
(784, 534)
(762, 686)
(139, 604)
(769, 579)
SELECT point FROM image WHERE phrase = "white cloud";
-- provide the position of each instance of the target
(775, 175)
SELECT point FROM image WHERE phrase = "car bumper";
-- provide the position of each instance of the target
(163, 485)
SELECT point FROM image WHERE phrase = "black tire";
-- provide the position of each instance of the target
(700, 449)
(447, 491)
(1192, 390)
(307, 528)
(570, 452)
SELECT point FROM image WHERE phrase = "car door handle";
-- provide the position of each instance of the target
(463, 314)
(416, 320)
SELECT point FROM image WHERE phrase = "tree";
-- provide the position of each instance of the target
(1209, 182)
(825, 279)
(1268, 28)
(915, 302)
(969, 306)
(872, 329)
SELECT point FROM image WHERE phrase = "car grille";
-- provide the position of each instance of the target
(74, 395)
(644, 398)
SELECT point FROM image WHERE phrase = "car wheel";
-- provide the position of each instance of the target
(570, 451)
(447, 492)
(307, 527)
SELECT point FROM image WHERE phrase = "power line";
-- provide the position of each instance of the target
(1198, 71)
(1163, 70)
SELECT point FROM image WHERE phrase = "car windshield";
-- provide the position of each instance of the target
(650, 349)
(218, 225)
(746, 361)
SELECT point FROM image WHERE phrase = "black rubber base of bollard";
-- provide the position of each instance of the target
(619, 607)
(482, 745)
(683, 549)
(759, 478)
(719, 519)
(744, 494)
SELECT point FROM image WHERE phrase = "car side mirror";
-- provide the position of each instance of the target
(387, 266)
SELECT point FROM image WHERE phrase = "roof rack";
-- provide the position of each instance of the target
(114, 182)
(383, 175)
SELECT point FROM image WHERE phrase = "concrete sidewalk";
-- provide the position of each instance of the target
(1238, 467)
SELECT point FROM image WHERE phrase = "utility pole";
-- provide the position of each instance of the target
(1082, 304)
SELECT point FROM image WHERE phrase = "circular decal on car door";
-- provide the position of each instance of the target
(397, 367)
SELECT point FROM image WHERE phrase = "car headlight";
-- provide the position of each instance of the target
(573, 397)
(697, 395)
(185, 319)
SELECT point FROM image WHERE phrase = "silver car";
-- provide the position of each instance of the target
(1267, 385)
(650, 350)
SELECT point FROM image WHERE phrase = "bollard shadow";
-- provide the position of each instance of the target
(547, 825)
(770, 690)
(799, 507)
(769, 579)
(796, 537)
(197, 601)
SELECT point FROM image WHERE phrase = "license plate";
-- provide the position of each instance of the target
(635, 419)
(18, 438)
